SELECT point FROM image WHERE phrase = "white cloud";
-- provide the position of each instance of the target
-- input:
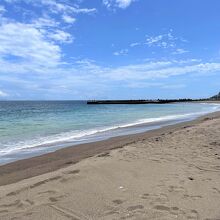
(166, 41)
(107, 3)
(66, 9)
(58, 7)
(142, 72)
(27, 45)
(33, 46)
(135, 44)
(43, 22)
(154, 40)
(162, 85)
(3, 94)
(174, 86)
(186, 61)
(121, 52)
(163, 40)
(84, 10)
(123, 3)
(2, 9)
(149, 70)
(80, 75)
(139, 85)
(68, 19)
(61, 36)
(180, 51)
(117, 3)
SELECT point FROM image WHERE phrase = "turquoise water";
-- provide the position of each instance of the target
(29, 128)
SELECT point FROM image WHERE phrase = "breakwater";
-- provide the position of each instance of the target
(141, 101)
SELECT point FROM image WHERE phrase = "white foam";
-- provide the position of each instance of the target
(72, 136)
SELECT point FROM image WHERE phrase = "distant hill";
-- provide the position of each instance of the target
(216, 97)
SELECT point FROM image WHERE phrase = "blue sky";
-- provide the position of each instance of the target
(109, 49)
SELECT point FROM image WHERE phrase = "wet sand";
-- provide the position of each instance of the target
(169, 173)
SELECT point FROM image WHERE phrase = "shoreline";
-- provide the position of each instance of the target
(105, 134)
(35, 166)
(34, 147)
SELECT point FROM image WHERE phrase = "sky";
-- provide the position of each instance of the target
(109, 49)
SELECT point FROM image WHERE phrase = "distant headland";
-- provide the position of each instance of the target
(216, 97)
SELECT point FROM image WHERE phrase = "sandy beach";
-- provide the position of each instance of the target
(109, 110)
(169, 173)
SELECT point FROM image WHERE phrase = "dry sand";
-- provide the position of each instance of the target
(171, 173)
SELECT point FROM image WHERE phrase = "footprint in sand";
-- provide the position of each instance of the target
(48, 192)
(171, 210)
(176, 189)
(193, 215)
(54, 199)
(155, 198)
(16, 203)
(117, 201)
(214, 143)
(216, 190)
(72, 172)
(30, 202)
(162, 208)
(3, 211)
(45, 181)
(106, 154)
(69, 175)
(135, 207)
(145, 196)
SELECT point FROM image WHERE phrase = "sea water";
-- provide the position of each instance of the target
(30, 128)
